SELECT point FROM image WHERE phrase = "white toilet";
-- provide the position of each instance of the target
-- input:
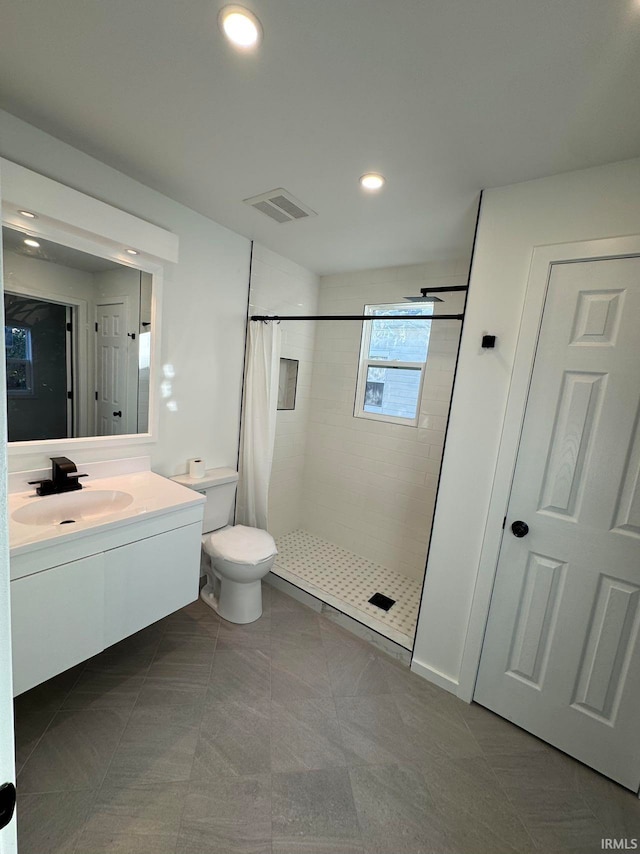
(235, 557)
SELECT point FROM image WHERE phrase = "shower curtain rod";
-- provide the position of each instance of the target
(266, 317)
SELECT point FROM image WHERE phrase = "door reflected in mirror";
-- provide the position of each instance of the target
(77, 342)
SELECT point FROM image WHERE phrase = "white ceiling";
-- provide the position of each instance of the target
(444, 97)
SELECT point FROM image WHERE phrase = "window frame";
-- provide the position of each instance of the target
(29, 391)
(365, 362)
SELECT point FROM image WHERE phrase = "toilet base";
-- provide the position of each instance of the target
(233, 601)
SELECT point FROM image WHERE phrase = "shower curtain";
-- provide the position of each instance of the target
(258, 423)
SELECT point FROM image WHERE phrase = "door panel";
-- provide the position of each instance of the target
(561, 656)
(111, 368)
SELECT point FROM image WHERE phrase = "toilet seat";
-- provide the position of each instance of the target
(241, 544)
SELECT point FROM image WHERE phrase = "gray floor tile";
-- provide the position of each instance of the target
(75, 751)
(435, 728)
(131, 655)
(51, 823)
(49, 696)
(313, 811)
(290, 695)
(197, 619)
(29, 729)
(393, 803)
(469, 786)
(232, 637)
(134, 820)
(300, 625)
(299, 671)
(174, 684)
(104, 689)
(497, 735)
(556, 817)
(122, 662)
(305, 735)
(617, 809)
(157, 745)
(354, 668)
(231, 815)
(185, 649)
(372, 731)
(540, 769)
(243, 674)
(234, 740)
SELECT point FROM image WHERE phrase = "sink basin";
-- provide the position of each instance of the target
(72, 507)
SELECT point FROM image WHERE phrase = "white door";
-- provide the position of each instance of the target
(111, 369)
(561, 656)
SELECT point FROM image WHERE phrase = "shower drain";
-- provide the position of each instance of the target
(382, 601)
(67, 522)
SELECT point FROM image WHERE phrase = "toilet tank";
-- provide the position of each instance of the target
(219, 486)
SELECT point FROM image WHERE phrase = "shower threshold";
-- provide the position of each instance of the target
(346, 582)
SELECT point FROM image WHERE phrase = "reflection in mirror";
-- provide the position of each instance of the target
(287, 383)
(77, 342)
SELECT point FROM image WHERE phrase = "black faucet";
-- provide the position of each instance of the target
(63, 477)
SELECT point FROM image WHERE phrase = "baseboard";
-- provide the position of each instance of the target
(432, 675)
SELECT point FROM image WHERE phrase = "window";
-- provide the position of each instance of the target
(17, 345)
(393, 355)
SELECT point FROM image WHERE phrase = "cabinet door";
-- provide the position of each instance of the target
(56, 620)
(146, 580)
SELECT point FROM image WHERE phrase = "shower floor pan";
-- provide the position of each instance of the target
(347, 581)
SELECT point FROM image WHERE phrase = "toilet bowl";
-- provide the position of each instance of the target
(235, 558)
(238, 559)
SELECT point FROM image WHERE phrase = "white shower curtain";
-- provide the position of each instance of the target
(258, 423)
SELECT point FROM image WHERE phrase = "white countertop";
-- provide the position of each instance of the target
(153, 495)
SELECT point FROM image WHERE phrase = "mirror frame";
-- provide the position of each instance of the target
(74, 219)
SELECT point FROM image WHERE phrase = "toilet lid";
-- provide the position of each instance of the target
(240, 544)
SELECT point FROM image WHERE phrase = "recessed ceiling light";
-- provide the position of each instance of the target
(372, 181)
(28, 214)
(29, 242)
(240, 26)
(131, 251)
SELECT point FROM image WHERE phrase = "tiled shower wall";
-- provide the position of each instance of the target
(370, 486)
(278, 286)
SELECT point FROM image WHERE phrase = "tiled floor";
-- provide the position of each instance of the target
(288, 736)
(347, 582)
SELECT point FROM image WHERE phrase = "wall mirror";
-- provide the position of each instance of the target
(77, 342)
(82, 285)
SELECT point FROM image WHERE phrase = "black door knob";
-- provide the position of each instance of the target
(7, 803)
(520, 529)
(118, 414)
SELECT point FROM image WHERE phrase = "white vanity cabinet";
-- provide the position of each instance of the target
(76, 591)
(56, 620)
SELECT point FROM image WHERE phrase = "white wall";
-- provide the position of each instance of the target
(205, 297)
(46, 278)
(583, 205)
(278, 286)
(369, 485)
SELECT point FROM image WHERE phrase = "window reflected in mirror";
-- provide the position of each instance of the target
(77, 342)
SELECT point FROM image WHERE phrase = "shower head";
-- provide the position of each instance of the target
(424, 297)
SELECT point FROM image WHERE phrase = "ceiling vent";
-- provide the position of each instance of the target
(280, 205)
